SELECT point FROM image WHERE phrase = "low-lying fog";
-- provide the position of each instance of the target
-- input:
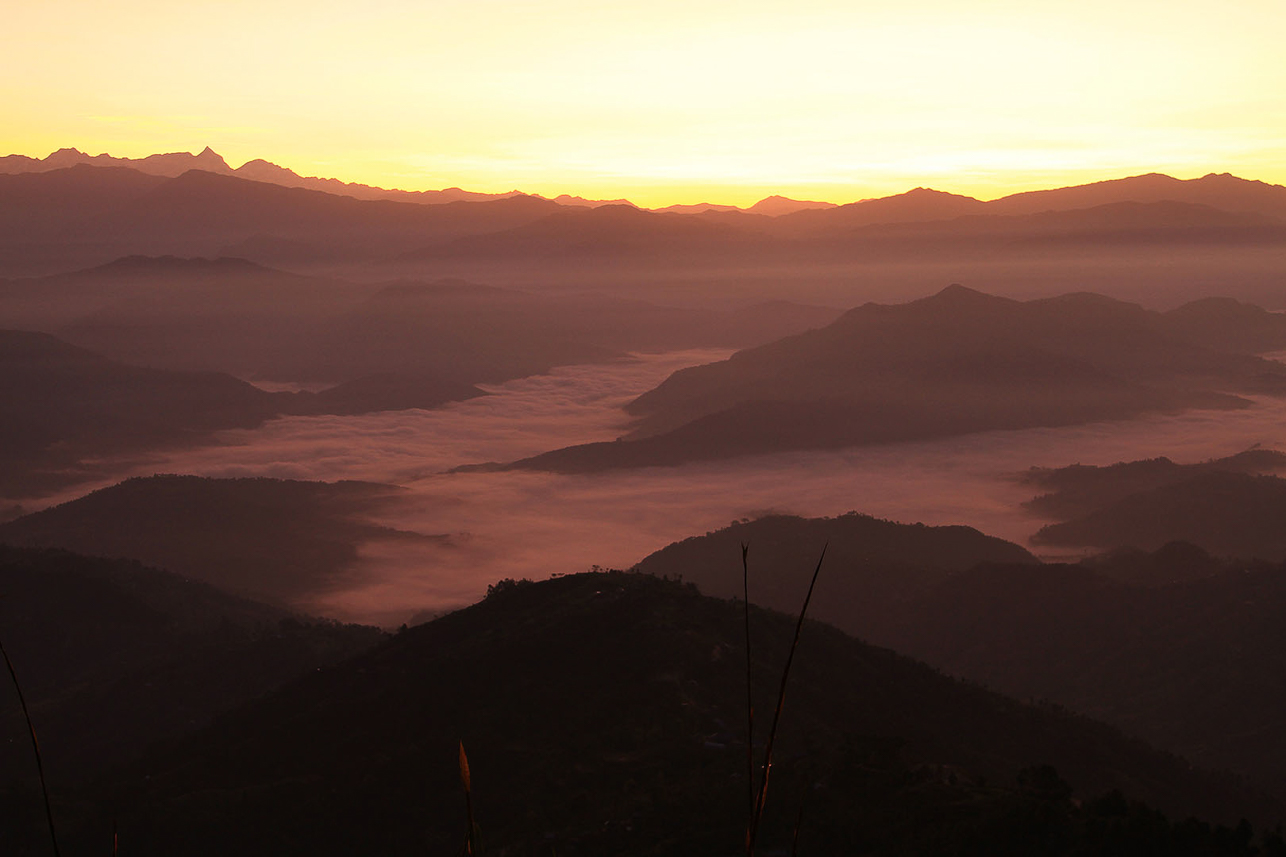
(523, 524)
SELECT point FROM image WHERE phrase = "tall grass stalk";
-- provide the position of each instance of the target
(757, 815)
(35, 745)
(750, 700)
(466, 781)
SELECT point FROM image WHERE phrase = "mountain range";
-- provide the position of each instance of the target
(63, 409)
(275, 540)
(173, 164)
(954, 363)
(57, 218)
(601, 713)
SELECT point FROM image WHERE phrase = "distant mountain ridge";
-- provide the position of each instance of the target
(1219, 190)
(90, 212)
(174, 164)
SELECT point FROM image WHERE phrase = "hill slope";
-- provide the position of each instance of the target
(600, 714)
(1174, 647)
(957, 362)
(114, 656)
(871, 565)
(277, 539)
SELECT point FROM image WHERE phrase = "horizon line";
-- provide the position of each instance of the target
(598, 200)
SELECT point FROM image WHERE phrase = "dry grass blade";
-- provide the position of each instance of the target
(35, 745)
(750, 702)
(758, 812)
(467, 781)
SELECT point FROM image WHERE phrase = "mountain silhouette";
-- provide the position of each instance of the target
(1189, 661)
(872, 565)
(153, 656)
(776, 205)
(600, 714)
(66, 413)
(1227, 513)
(1079, 489)
(280, 540)
(957, 362)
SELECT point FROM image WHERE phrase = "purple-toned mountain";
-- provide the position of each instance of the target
(174, 164)
(958, 362)
(1221, 190)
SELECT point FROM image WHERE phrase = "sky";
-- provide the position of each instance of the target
(668, 101)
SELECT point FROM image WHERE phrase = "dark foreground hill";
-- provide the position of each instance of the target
(114, 656)
(282, 540)
(954, 363)
(1184, 651)
(602, 715)
(1175, 646)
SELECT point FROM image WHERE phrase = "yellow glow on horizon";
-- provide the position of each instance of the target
(664, 102)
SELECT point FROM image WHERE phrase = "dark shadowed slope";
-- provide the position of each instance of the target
(1080, 488)
(954, 363)
(234, 316)
(62, 408)
(600, 715)
(1228, 325)
(606, 233)
(486, 334)
(43, 207)
(60, 404)
(871, 565)
(1229, 514)
(89, 215)
(271, 538)
(114, 657)
(223, 314)
(1197, 665)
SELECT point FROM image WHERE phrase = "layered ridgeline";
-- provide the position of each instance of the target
(174, 164)
(84, 214)
(1196, 665)
(61, 405)
(114, 657)
(872, 565)
(230, 315)
(281, 540)
(957, 362)
(1175, 646)
(1232, 507)
(603, 714)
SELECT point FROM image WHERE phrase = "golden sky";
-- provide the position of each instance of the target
(666, 100)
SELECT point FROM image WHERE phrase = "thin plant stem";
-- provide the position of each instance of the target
(750, 700)
(35, 745)
(466, 781)
(799, 822)
(758, 813)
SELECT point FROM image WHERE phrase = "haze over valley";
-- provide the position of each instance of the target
(280, 453)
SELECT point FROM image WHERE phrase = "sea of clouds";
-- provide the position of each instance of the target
(527, 524)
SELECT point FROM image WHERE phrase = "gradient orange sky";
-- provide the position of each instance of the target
(665, 101)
